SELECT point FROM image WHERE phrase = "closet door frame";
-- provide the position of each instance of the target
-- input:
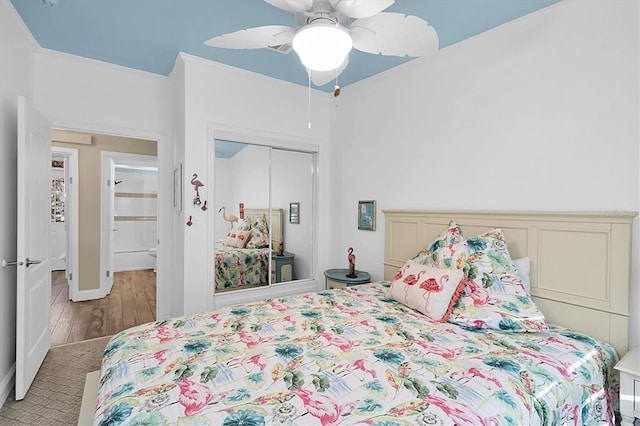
(270, 140)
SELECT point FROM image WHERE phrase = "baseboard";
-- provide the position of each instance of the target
(133, 268)
(133, 261)
(89, 295)
(7, 384)
(89, 398)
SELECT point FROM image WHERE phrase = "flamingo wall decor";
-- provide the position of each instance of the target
(196, 185)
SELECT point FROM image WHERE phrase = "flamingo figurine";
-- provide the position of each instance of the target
(229, 219)
(352, 263)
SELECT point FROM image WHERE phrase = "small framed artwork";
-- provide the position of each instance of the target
(367, 215)
(294, 212)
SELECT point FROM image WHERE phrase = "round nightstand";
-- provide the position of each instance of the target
(337, 278)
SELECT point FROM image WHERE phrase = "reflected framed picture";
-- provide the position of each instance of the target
(294, 212)
(367, 215)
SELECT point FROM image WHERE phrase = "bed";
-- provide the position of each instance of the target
(360, 356)
(242, 259)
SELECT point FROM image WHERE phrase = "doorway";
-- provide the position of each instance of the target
(81, 308)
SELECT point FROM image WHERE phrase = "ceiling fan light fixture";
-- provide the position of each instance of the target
(322, 46)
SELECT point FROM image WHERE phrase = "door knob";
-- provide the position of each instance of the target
(32, 262)
(4, 263)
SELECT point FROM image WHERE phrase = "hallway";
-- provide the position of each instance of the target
(132, 301)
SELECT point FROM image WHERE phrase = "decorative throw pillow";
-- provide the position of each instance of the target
(450, 238)
(489, 253)
(493, 296)
(432, 291)
(243, 225)
(237, 239)
(259, 234)
(500, 303)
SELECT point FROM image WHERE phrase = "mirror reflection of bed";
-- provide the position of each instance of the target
(244, 256)
(265, 180)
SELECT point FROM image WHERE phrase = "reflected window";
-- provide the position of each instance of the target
(57, 191)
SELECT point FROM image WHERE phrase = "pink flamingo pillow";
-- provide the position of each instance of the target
(237, 239)
(430, 290)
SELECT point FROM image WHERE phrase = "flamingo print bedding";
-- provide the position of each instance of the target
(241, 267)
(349, 356)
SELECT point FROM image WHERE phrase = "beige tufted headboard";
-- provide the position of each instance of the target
(580, 262)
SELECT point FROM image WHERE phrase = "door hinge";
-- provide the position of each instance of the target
(108, 274)
(70, 277)
(108, 182)
(70, 180)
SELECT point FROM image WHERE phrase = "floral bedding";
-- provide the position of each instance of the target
(241, 267)
(349, 356)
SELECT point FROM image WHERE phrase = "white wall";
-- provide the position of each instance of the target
(292, 181)
(225, 169)
(538, 114)
(217, 96)
(16, 76)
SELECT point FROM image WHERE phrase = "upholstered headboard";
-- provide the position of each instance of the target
(580, 262)
(275, 227)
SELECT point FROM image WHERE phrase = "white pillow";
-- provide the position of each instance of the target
(523, 266)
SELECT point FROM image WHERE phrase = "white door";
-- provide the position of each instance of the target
(34, 273)
(107, 223)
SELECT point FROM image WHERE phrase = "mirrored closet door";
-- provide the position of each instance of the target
(263, 200)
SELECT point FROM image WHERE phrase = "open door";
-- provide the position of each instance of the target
(107, 223)
(33, 334)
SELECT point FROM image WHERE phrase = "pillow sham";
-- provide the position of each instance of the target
(435, 255)
(497, 297)
(243, 225)
(237, 239)
(489, 253)
(259, 234)
(503, 305)
(432, 291)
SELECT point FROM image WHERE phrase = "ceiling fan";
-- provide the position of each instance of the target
(329, 29)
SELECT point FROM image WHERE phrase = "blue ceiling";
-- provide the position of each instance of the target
(148, 34)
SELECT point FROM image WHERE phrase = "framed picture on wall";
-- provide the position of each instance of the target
(367, 215)
(294, 212)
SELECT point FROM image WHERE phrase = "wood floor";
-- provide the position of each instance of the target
(132, 301)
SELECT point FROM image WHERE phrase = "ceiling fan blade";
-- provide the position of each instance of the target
(394, 34)
(360, 8)
(254, 38)
(320, 78)
(292, 5)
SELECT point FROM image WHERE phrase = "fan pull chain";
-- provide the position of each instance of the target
(309, 105)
